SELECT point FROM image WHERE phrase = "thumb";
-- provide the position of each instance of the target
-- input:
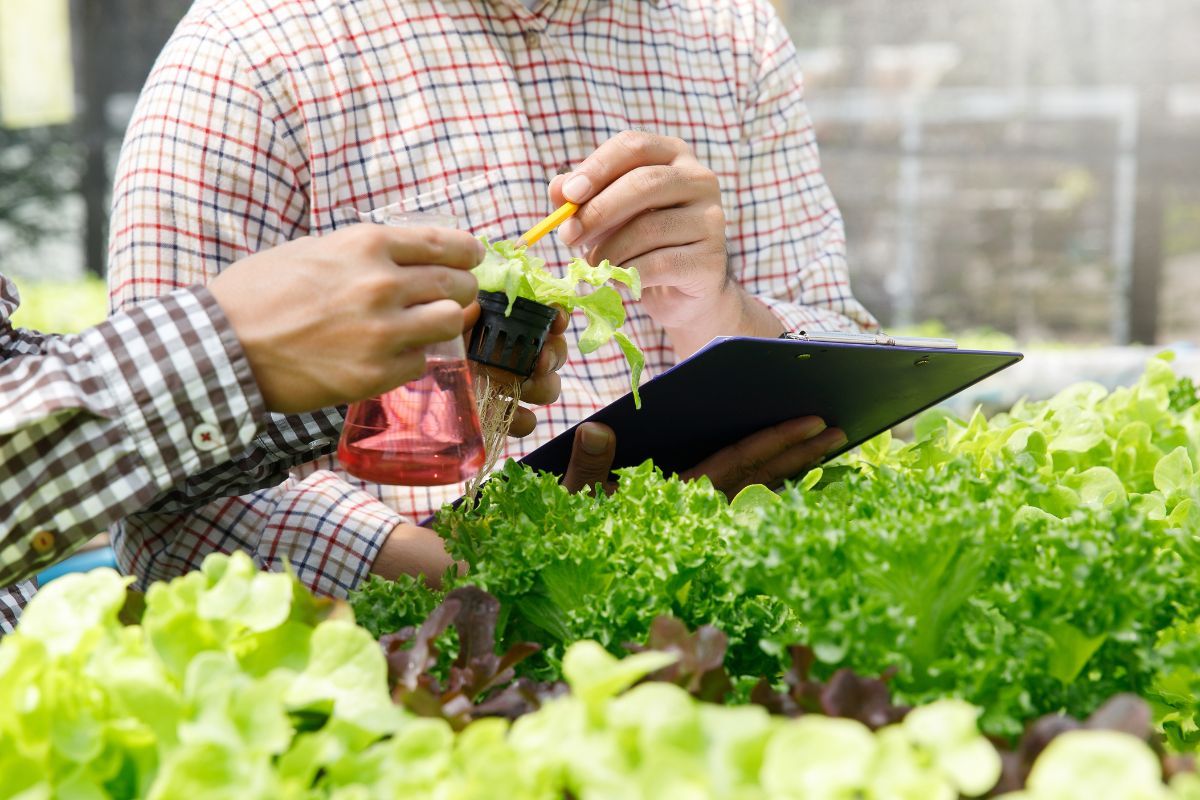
(592, 456)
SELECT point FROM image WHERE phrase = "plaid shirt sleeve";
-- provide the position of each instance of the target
(12, 600)
(94, 426)
(209, 174)
(787, 241)
(329, 532)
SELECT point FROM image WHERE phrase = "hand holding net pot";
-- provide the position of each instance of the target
(539, 385)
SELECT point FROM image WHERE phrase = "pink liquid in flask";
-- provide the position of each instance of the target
(424, 433)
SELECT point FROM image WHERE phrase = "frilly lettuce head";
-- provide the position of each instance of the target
(510, 269)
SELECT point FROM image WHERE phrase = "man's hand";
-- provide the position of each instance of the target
(543, 386)
(646, 202)
(338, 318)
(770, 456)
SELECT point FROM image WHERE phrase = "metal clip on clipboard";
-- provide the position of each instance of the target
(840, 337)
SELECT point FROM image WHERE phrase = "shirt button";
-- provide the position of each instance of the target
(532, 40)
(43, 542)
(205, 437)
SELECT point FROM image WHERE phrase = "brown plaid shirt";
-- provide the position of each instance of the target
(97, 425)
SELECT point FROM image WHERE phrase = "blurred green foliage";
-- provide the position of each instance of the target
(66, 307)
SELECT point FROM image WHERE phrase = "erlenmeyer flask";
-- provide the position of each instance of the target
(426, 432)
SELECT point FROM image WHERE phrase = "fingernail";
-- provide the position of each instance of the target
(594, 440)
(577, 188)
(570, 230)
(816, 430)
(837, 440)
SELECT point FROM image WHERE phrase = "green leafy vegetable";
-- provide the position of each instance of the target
(569, 566)
(1036, 562)
(279, 697)
(966, 585)
(227, 670)
(1082, 765)
(511, 270)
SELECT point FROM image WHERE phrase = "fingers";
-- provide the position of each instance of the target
(622, 153)
(556, 195)
(541, 390)
(631, 194)
(441, 246)
(672, 227)
(524, 421)
(407, 366)
(797, 460)
(700, 266)
(418, 285)
(553, 355)
(419, 325)
(770, 456)
(559, 326)
(543, 386)
(470, 317)
(592, 456)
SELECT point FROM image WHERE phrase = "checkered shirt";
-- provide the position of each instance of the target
(94, 426)
(267, 120)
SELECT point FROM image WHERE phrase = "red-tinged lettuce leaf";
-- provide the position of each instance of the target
(480, 682)
(1123, 713)
(845, 694)
(700, 667)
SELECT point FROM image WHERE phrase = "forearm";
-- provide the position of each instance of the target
(412, 550)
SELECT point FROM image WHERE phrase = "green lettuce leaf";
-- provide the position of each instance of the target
(510, 269)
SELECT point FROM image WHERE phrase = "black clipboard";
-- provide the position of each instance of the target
(733, 387)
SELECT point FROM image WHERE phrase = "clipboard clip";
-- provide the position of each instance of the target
(882, 339)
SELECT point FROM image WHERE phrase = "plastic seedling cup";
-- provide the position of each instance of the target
(511, 342)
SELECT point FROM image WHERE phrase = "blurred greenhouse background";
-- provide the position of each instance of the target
(1027, 166)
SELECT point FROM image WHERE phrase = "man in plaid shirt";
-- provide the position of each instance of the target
(680, 124)
(151, 407)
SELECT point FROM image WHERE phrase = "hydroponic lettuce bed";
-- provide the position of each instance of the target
(1005, 605)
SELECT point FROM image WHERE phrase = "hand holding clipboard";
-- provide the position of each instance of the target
(737, 392)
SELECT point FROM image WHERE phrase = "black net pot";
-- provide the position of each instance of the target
(510, 342)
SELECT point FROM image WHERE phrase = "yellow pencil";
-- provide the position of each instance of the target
(560, 215)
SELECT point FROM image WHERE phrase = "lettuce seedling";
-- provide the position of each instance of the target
(509, 269)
